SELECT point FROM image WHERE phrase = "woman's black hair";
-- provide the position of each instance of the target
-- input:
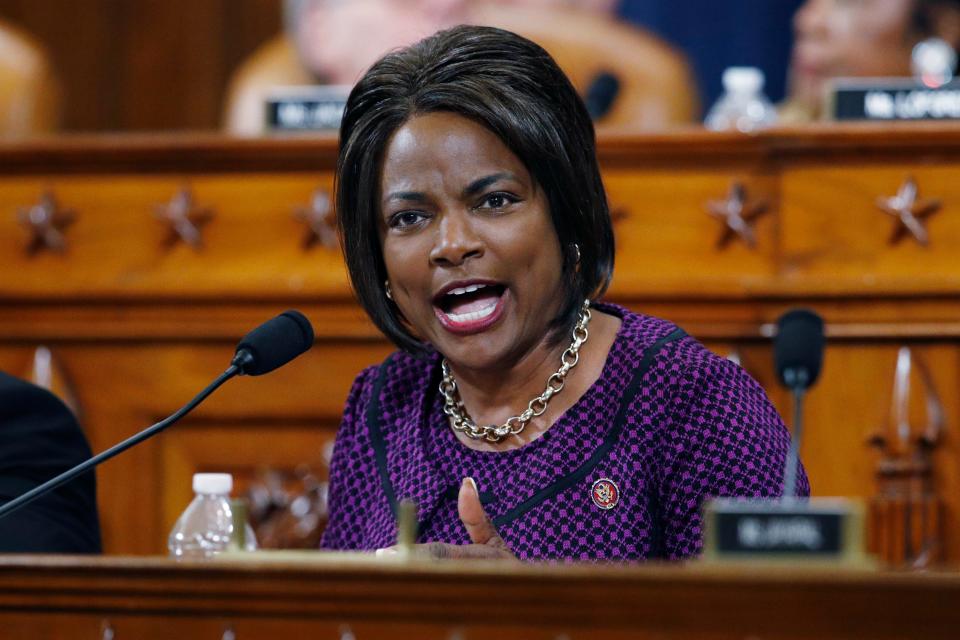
(512, 87)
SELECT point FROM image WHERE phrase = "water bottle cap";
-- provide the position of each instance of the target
(933, 62)
(743, 80)
(221, 483)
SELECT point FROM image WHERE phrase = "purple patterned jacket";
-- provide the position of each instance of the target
(668, 423)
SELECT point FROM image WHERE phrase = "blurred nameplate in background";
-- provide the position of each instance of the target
(310, 108)
(791, 530)
(893, 99)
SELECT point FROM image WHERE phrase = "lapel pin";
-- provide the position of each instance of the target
(605, 493)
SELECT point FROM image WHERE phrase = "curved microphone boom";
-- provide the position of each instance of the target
(798, 356)
(271, 345)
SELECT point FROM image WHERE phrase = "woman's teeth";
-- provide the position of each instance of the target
(470, 288)
(471, 303)
(473, 316)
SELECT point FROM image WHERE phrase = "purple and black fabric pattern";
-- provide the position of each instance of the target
(621, 475)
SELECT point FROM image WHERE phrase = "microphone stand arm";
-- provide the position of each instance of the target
(793, 456)
(116, 449)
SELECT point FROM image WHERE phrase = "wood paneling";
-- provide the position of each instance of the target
(140, 328)
(253, 233)
(145, 65)
(675, 204)
(815, 245)
(328, 596)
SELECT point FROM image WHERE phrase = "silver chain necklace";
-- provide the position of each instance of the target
(461, 421)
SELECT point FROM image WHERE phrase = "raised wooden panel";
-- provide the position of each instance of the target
(833, 227)
(667, 239)
(251, 247)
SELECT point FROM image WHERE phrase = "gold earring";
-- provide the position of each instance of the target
(386, 286)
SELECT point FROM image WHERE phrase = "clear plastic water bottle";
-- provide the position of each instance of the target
(743, 106)
(207, 526)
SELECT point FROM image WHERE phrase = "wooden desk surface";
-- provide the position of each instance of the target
(43, 596)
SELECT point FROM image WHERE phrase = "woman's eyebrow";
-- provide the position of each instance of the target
(415, 196)
(480, 184)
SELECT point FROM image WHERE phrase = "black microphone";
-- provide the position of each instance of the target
(798, 348)
(603, 90)
(271, 345)
(797, 356)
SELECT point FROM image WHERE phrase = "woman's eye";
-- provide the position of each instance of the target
(405, 219)
(498, 201)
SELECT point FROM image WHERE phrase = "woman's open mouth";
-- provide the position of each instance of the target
(469, 307)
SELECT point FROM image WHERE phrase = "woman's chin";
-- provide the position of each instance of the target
(474, 357)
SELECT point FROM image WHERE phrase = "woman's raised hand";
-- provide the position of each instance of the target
(486, 542)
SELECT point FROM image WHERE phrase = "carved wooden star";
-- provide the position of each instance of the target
(47, 223)
(320, 220)
(909, 212)
(184, 219)
(738, 216)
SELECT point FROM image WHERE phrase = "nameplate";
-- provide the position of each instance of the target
(317, 108)
(826, 528)
(892, 100)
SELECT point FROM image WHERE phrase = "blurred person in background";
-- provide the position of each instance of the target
(338, 41)
(647, 83)
(29, 92)
(859, 38)
(41, 439)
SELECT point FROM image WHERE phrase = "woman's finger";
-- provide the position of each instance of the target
(474, 518)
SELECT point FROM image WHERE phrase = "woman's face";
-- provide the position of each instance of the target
(473, 260)
(848, 38)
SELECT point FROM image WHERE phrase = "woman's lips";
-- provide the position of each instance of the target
(474, 316)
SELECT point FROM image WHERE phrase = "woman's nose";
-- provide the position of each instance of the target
(456, 242)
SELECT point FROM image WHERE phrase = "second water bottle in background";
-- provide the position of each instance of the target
(743, 105)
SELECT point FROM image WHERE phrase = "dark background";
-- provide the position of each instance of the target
(716, 34)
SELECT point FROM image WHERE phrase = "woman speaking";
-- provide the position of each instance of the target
(523, 417)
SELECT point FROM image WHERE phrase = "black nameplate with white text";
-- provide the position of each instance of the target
(892, 100)
(789, 533)
(800, 529)
(306, 108)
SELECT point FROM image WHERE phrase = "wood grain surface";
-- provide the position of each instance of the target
(328, 596)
